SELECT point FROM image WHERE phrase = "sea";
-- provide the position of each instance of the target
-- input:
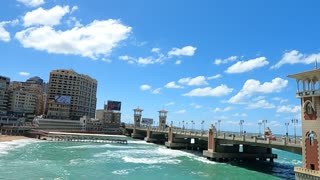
(30, 159)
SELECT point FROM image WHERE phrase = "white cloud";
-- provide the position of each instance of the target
(214, 77)
(131, 60)
(145, 61)
(74, 8)
(185, 51)
(158, 57)
(225, 61)
(145, 87)
(156, 91)
(182, 111)
(196, 106)
(31, 3)
(155, 50)
(4, 34)
(197, 81)
(260, 104)
(288, 109)
(178, 62)
(252, 86)
(244, 66)
(221, 90)
(73, 22)
(94, 40)
(24, 73)
(240, 115)
(50, 17)
(172, 84)
(281, 100)
(106, 60)
(217, 109)
(169, 104)
(294, 57)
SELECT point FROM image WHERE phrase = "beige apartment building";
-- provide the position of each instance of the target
(109, 119)
(4, 97)
(25, 98)
(70, 95)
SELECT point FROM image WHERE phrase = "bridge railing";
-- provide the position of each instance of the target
(254, 139)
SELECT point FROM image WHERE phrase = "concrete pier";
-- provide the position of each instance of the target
(83, 137)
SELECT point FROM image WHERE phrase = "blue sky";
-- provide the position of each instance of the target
(200, 60)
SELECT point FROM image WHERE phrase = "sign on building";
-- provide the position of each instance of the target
(62, 99)
(113, 105)
(148, 121)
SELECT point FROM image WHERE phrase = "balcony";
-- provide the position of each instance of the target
(308, 93)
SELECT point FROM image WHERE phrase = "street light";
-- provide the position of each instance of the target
(171, 123)
(286, 124)
(186, 125)
(241, 126)
(183, 125)
(295, 121)
(192, 125)
(219, 121)
(202, 125)
(264, 121)
(260, 123)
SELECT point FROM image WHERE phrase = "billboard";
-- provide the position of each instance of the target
(147, 121)
(62, 99)
(113, 105)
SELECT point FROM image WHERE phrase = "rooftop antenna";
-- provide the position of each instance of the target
(316, 64)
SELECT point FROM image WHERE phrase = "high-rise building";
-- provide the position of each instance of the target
(4, 98)
(25, 98)
(308, 93)
(70, 95)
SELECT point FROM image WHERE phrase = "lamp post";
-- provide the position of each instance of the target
(286, 124)
(183, 125)
(186, 125)
(295, 121)
(202, 125)
(219, 121)
(264, 121)
(260, 123)
(241, 126)
(192, 125)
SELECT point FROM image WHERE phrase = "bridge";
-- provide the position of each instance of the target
(215, 145)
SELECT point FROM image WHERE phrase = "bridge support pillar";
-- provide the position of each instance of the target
(175, 143)
(149, 138)
(219, 150)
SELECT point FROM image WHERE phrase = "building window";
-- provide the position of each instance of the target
(311, 138)
(312, 166)
(309, 109)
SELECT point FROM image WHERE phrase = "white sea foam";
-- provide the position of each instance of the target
(204, 160)
(294, 162)
(173, 153)
(154, 160)
(75, 162)
(122, 171)
(98, 146)
(7, 146)
(138, 142)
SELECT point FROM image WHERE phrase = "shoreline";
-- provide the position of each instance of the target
(5, 138)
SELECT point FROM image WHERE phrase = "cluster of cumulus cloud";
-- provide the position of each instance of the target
(45, 30)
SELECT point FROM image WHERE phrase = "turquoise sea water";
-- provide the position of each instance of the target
(33, 159)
